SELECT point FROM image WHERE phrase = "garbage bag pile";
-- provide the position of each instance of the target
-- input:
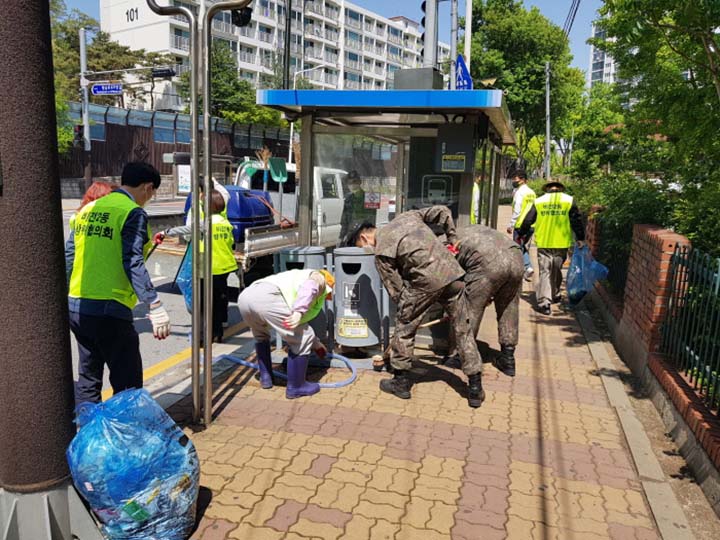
(135, 467)
(584, 271)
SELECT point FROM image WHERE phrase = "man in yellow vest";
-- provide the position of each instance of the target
(523, 199)
(287, 302)
(556, 217)
(106, 251)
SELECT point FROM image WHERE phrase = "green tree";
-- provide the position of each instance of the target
(232, 98)
(513, 44)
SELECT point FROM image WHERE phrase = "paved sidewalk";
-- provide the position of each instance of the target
(544, 457)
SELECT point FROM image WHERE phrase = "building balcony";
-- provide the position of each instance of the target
(332, 35)
(353, 23)
(313, 54)
(352, 85)
(247, 32)
(181, 68)
(395, 39)
(353, 44)
(367, 68)
(179, 18)
(180, 43)
(222, 26)
(369, 27)
(379, 70)
(331, 78)
(267, 37)
(314, 7)
(266, 62)
(248, 58)
(352, 64)
(332, 58)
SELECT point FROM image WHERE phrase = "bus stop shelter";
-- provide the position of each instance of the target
(411, 149)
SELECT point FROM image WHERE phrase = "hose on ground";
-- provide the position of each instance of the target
(339, 384)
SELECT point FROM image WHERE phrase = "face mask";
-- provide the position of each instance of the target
(516, 184)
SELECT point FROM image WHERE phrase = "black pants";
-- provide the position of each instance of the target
(105, 340)
(220, 304)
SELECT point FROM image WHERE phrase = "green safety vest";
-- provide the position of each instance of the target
(474, 204)
(289, 284)
(525, 206)
(552, 227)
(98, 272)
(223, 257)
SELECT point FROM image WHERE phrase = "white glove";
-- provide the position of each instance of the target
(293, 321)
(160, 322)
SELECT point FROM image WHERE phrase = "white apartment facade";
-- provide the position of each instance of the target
(346, 46)
(602, 67)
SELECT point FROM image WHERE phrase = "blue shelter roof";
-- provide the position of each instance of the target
(394, 107)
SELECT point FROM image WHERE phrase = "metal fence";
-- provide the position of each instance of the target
(691, 332)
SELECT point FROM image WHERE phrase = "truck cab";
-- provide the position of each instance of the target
(329, 196)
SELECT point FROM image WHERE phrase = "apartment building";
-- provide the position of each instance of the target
(602, 65)
(336, 44)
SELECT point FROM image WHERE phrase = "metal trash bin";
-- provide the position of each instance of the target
(307, 258)
(359, 300)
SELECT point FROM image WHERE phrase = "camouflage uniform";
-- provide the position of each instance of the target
(418, 270)
(354, 213)
(494, 271)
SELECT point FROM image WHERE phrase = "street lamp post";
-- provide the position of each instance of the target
(292, 124)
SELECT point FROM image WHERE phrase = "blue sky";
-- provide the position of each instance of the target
(555, 10)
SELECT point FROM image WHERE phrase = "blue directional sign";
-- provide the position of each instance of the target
(463, 80)
(105, 89)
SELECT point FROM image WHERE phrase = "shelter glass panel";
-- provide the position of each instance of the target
(354, 181)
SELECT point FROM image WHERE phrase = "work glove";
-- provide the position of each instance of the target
(293, 321)
(320, 351)
(159, 238)
(452, 249)
(160, 321)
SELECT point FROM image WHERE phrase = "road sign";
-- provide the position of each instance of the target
(463, 80)
(113, 89)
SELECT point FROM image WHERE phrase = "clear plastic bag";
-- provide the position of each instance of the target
(184, 278)
(136, 468)
(584, 271)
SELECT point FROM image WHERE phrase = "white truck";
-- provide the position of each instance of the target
(329, 197)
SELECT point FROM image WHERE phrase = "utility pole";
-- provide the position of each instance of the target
(468, 31)
(453, 43)
(37, 500)
(87, 157)
(547, 121)
(430, 41)
(288, 35)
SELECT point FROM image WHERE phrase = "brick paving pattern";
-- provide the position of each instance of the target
(543, 458)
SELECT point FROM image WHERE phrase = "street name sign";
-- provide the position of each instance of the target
(106, 89)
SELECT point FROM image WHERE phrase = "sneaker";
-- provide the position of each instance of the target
(529, 273)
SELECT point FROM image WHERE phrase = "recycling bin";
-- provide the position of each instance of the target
(307, 258)
(359, 298)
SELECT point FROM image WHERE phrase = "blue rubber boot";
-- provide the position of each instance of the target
(264, 361)
(297, 385)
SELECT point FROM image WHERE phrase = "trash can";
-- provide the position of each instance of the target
(358, 298)
(306, 258)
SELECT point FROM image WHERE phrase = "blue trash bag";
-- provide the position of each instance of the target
(184, 278)
(136, 468)
(584, 271)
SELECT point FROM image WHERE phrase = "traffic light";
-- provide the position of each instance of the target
(78, 135)
(429, 36)
(242, 17)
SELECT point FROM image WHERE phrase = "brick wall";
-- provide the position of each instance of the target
(648, 285)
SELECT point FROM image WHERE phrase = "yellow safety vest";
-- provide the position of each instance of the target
(289, 284)
(552, 226)
(98, 272)
(474, 204)
(223, 257)
(525, 206)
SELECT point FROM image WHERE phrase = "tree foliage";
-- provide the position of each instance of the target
(661, 118)
(231, 97)
(513, 44)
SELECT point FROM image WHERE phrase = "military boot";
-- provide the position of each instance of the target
(505, 361)
(476, 394)
(399, 385)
